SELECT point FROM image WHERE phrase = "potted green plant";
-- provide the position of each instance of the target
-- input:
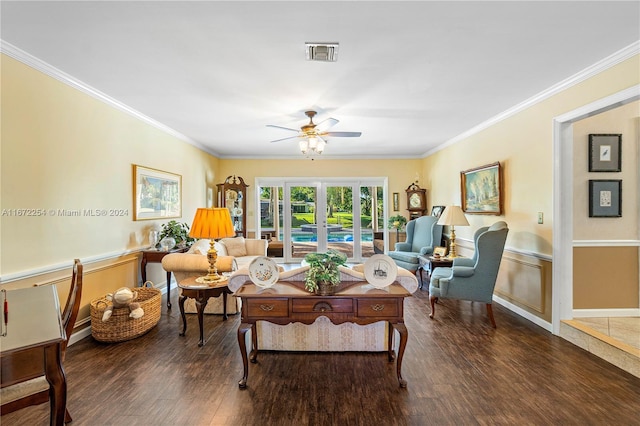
(323, 275)
(397, 222)
(178, 231)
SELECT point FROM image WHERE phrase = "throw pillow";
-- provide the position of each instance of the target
(199, 247)
(235, 246)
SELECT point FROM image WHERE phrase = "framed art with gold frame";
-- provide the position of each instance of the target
(440, 251)
(481, 190)
(156, 194)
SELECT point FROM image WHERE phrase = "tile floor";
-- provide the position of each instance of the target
(625, 329)
(614, 339)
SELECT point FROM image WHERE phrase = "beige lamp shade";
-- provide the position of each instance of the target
(453, 215)
(212, 224)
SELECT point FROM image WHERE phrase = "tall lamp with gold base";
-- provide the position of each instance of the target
(453, 216)
(212, 224)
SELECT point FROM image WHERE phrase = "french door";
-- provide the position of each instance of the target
(310, 215)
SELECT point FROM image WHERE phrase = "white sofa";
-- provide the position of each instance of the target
(323, 335)
(233, 254)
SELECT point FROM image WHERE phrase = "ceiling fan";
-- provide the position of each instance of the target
(313, 135)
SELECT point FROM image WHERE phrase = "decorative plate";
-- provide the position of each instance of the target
(264, 272)
(380, 270)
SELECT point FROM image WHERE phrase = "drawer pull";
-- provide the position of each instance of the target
(377, 307)
(322, 307)
(267, 308)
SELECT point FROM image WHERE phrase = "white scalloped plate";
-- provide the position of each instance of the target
(264, 272)
(380, 270)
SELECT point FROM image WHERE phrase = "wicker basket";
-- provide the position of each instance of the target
(120, 326)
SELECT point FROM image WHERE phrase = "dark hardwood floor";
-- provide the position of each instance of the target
(460, 372)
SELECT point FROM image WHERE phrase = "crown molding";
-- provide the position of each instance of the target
(608, 62)
(38, 64)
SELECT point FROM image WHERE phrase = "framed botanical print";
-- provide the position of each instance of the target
(605, 153)
(605, 198)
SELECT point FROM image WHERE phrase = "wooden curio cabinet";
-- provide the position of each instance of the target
(232, 194)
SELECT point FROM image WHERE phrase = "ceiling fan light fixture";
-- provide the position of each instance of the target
(313, 142)
(320, 146)
(304, 146)
(324, 52)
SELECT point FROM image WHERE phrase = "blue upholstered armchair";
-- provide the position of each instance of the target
(472, 278)
(423, 234)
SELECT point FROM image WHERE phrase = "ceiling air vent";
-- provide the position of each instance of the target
(327, 52)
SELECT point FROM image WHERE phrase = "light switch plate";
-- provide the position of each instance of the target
(540, 218)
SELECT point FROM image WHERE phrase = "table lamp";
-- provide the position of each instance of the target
(453, 216)
(213, 224)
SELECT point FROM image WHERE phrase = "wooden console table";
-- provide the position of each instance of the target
(33, 344)
(155, 256)
(288, 302)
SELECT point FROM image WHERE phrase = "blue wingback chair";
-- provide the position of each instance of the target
(423, 234)
(472, 278)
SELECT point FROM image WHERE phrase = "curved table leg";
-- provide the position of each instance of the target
(201, 303)
(57, 384)
(168, 289)
(184, 317)
(404, 334)
(224, 305)
(242, 332)
(253, 356)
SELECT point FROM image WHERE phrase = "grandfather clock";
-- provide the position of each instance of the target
(416, 201)
(232, 194)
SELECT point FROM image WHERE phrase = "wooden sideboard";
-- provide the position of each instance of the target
(288, 302)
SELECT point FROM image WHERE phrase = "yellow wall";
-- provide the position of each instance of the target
(600, 237)
(523, 144)
(63, 149)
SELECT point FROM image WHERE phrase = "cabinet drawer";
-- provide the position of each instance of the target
(379, 307)
(308, 305)
(268, 307)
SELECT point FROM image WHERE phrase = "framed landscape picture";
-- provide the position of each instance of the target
(481, 190)
(605, 198)
(156, 194)
(605, 153)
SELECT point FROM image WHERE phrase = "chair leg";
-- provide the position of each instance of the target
(67, 416)
(490, 312)
(432, 300)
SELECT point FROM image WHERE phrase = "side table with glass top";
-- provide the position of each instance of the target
(201, 292)
(429, 263)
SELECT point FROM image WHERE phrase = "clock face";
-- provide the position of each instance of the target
(415, 201)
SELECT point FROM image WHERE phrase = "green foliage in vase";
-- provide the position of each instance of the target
(397, 222)
(178, 231)
(323, 267)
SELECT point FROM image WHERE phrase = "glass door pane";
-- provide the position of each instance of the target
(339, 219)
(304, 232)
(372, 220)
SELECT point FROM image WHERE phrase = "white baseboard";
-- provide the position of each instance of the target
(605, 313)
(525, 314)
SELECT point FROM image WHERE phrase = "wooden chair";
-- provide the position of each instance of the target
(35, 388)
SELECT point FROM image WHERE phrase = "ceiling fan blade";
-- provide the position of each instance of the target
(284, 128)
(285, 139)
(343, 134)
(326, 124)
